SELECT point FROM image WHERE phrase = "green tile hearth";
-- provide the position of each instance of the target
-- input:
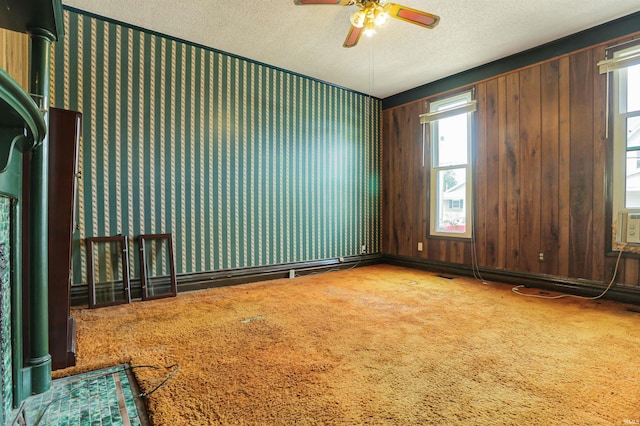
(98, 398)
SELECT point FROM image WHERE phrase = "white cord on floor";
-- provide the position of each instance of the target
(474, 258)
(517, 288)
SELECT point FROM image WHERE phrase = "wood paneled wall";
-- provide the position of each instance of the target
(540, 169)
(14, 56)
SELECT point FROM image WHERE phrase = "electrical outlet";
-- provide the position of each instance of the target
(420, 247)
(540, 256)
(363, 249)
(341, 259)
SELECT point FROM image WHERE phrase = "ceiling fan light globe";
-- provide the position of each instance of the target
(369, 27)
(381, 17)
(357, 19)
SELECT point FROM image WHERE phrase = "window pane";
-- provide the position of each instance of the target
(632, 195)
(633, 88)
(451, 144)
(451, 195)
(633, 132)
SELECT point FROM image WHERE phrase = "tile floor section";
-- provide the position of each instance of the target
(98, 398)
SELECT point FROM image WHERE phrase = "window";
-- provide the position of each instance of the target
(456, 204)
(624, 64)
(451, 131)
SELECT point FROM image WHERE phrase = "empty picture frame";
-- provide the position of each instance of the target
(157, 267)
(108, 271)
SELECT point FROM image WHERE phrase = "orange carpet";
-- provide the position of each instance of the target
(373, 345)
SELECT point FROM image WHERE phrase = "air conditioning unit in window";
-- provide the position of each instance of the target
(628, 228)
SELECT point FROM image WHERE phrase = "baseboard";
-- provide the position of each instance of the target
(579, 287)
(212, 279)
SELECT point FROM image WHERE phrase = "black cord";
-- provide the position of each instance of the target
(337, 269)
(175, 370)
(131, 367)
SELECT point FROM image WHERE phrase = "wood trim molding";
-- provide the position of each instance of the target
(213, 279)
(206, 280)
(580, 287)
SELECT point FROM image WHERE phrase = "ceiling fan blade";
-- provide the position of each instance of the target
(337, 2)
(413, 16)
(353, 36)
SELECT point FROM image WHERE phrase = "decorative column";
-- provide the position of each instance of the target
(39, 358)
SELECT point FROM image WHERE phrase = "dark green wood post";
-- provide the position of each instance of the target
(40, 359)
(19, 391)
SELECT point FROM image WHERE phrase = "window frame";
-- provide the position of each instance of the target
(97, 263)
(436, 111)
(618, 129)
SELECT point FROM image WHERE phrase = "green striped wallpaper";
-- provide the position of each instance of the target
(246, 165)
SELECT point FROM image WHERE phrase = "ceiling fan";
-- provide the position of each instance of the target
(376, 12)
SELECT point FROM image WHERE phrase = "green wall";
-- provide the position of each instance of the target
(246, 165)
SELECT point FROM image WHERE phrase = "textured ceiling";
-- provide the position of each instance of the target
(400, 56)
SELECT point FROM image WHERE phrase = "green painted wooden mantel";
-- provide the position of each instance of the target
(23, 131)
(21, 126)
(247, 165)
